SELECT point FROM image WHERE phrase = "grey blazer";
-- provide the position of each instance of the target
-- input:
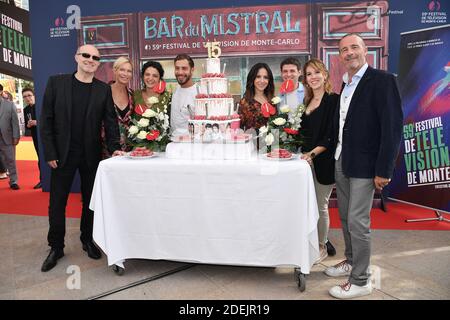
(9, 122)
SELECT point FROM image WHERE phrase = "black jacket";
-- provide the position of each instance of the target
(55, 120)
(320, 135)
(30, 113)
(373, 127)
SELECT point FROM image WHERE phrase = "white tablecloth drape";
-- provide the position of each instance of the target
(210, 151)
(252, 213)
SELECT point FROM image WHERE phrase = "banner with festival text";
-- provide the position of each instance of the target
(249, 30)
(15, 42)
(422, 174)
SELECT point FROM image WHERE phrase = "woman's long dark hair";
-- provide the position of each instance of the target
(269, 91)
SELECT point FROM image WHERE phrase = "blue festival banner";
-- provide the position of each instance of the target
(422, 175)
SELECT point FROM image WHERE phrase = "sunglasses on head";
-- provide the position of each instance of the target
(87, 56)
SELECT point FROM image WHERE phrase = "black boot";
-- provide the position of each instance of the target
(52, 259)
(330, 249)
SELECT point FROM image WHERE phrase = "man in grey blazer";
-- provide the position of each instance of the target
(9, 138)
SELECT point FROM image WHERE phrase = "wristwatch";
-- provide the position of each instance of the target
(312, 155)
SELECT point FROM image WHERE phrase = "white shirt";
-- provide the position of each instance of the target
(346, 98)
(179, 113)
(293, 99)
(292, 102)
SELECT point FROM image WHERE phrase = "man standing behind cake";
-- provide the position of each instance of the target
(184, 95)
(291, 69)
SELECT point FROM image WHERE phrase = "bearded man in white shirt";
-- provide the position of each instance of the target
(184, 95)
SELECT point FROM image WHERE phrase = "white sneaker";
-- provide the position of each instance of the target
(339, 270)
(323, 255)
(349, 291)
(3, 175)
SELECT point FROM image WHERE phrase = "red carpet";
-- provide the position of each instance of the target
(28, 201)
(395, 218)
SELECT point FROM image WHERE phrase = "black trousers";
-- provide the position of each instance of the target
(2, 165)
(36, 147)
(60, 184)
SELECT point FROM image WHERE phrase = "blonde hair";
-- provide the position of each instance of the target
(120, 61)
(317, 64)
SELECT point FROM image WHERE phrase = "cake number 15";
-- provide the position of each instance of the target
(214, 50)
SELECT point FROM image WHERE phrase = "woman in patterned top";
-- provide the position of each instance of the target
(123, 99)
(260, 89)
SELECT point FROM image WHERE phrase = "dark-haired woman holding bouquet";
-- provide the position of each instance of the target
(151, 103)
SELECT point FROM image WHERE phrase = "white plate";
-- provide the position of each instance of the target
(142, 157)
(265, 157)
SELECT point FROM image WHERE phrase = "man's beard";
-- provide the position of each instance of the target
(186, 80)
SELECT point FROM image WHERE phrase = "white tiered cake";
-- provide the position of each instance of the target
(214, 117)
(214, 123)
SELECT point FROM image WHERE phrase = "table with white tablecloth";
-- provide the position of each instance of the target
(232, 212)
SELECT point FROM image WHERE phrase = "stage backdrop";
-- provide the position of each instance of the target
(246, 35)
(422, 175)
(145, 29)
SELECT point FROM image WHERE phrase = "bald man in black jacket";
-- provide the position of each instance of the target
(74, 108)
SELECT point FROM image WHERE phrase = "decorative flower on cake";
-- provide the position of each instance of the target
(282, 128)
(150, 121)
